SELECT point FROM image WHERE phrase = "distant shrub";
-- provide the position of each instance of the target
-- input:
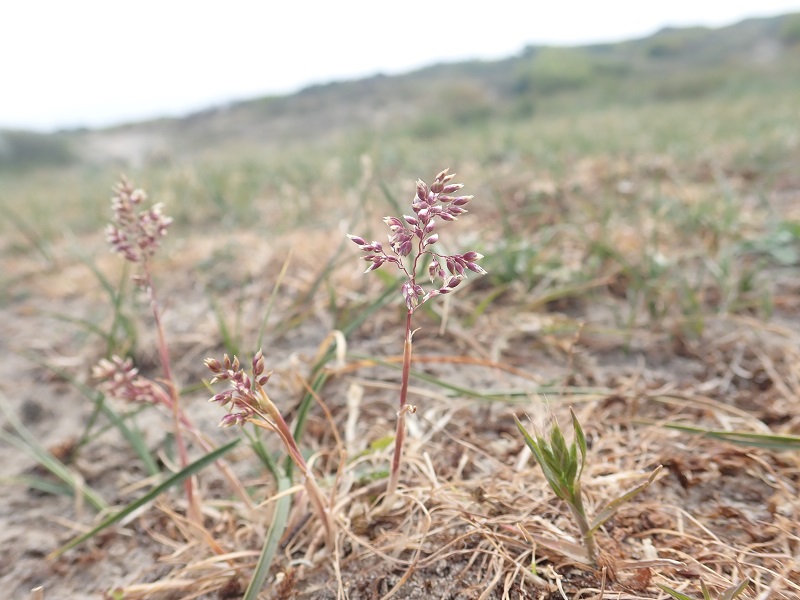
(22, 149)
(669, 43)
(789, 32)
(682, 86)
(464, 104)
(552, 70)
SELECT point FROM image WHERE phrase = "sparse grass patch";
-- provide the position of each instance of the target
(642, 269)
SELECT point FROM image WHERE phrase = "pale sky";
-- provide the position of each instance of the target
(101, 62)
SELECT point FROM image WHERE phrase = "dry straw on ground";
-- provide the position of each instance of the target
(474, 518)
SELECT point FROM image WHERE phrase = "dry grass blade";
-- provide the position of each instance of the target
(37, 593)
(608, 511)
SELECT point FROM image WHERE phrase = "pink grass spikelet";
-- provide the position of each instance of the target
(136, 235)
(248, 403)
(119, 379)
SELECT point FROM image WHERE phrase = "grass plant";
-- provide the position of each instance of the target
(562, 465)
(248, 402)
(135, 233)
(410, 245)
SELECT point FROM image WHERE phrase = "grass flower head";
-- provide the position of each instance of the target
(135, 231)
(248, 402)
(413, 237)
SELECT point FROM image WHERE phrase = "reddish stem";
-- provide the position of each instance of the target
(163, 352)
(310, 482)
(400, 436)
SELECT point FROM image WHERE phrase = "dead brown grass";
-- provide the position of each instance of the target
(475, 518)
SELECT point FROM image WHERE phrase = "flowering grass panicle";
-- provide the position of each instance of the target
(136, 235)
(119, 379)
(242, 399)
(411, 241)
(248, 402)
(414, 236)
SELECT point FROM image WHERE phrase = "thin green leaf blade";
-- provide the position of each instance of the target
(274, 535)
(735, 591)
(746, 438)
(172, 481)
(704, 590)
(612, 507)
(43, 485)
(25, 441)
(674, 593)
(257, 445)
(580, 439)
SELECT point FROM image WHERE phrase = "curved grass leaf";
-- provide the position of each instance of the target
(606, 513)
(422, 376)
(736, 590)
(26, 442)
(744, 438)
(510, 396)
(172, 481)
(480, 308)
(674, 593)
(41, 484)
(729, 594)
(580, 439)
(257, 445)
(230, 336)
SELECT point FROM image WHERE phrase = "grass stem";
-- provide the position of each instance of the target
(174, 397)
(400, 436)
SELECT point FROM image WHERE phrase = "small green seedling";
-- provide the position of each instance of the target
(563, 469)
(731, 593)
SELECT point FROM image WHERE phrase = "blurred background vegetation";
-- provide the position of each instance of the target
(694, 104)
